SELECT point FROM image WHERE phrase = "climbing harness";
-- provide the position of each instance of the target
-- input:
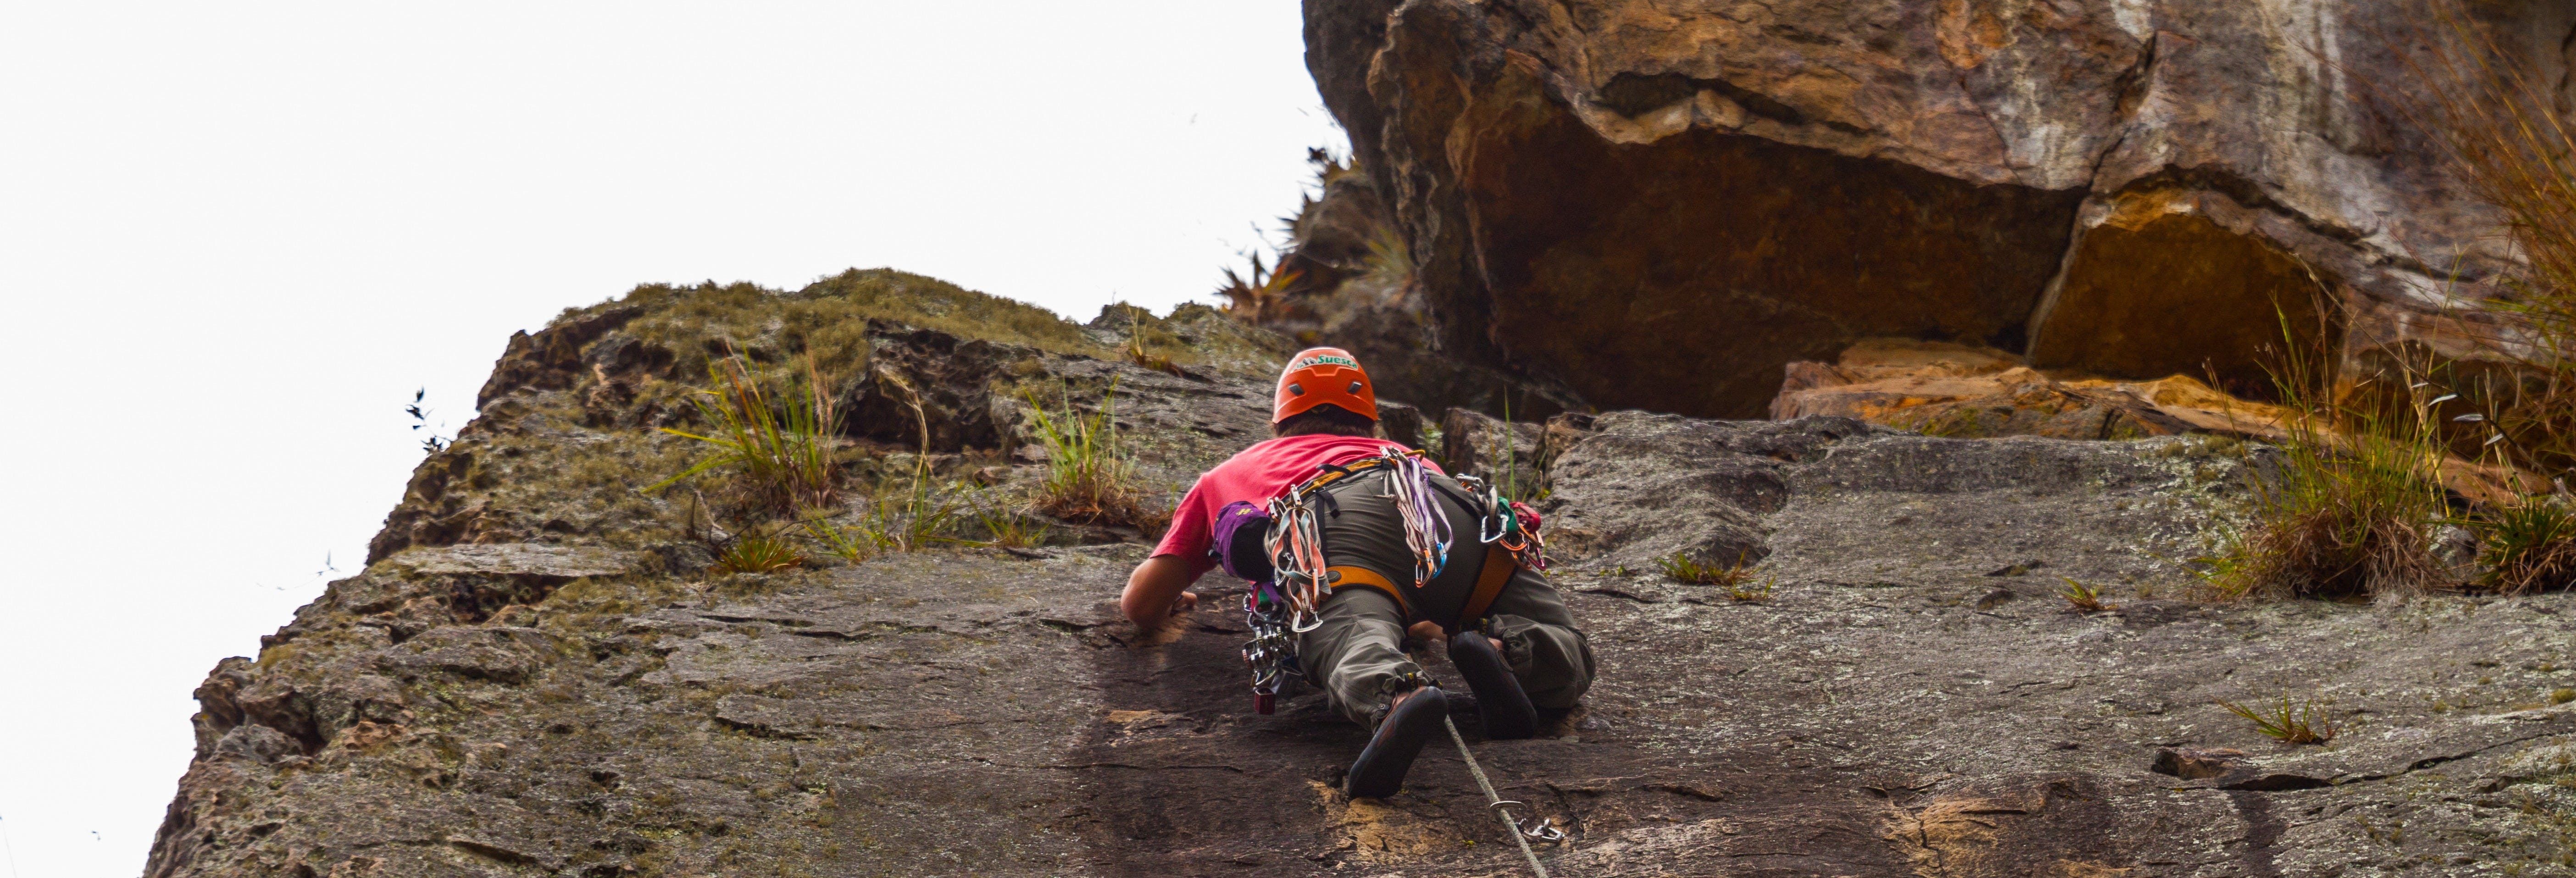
(1288, 603)
(1284, 605)
(1521, 832)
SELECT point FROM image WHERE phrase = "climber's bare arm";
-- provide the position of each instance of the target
(1159, 589)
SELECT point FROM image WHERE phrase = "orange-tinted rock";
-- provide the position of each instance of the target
(2174, 282)
(1957, 390)
(1972, 392)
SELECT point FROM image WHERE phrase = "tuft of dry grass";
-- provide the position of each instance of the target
(2083, 598)
(1090, 479)
(2351, 512)
(2502, 129)
(892, 519)
(2305, 722)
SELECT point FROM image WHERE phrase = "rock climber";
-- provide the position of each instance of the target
(1509, 634)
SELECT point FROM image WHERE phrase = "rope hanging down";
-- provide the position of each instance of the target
(1501, 807)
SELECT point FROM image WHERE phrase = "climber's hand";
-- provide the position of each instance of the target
(1160, 588)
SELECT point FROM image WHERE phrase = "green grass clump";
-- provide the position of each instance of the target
(778, 445)
(754, 553)
(2346, 519)
(1682, 567)
(1748, 592)
(2306, 722)
(2528, 546)
(891, 520)
(2082, 598)
(1004, 525)
(1089, 478)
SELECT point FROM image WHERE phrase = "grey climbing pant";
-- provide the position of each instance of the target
(1356, 655)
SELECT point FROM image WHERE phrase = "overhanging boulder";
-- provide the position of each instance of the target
(1660, 205)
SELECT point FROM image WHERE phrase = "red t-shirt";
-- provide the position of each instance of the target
(1256, 474)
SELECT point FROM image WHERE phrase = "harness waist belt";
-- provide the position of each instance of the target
(1499, 567)
(1345, 576)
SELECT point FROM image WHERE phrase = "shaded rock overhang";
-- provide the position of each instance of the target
(1660, 206)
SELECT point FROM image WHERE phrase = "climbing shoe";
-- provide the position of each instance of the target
(1380, 769)
(1505, 708)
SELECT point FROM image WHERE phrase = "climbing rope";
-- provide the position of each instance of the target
(1501, 807)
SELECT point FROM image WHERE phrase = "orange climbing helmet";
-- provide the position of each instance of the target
(1316, 376)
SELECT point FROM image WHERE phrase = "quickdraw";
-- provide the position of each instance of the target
(1272, 651)
(1426, 527)
(1508, 524)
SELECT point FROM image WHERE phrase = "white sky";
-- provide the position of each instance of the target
(235, 238)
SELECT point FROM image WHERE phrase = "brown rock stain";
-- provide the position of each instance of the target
(1378, 832)
(2058, 826)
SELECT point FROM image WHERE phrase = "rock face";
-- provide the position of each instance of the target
(578, 698)
(1660, 204)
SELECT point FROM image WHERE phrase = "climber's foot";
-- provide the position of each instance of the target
(1506, 709)
(1409, 724)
